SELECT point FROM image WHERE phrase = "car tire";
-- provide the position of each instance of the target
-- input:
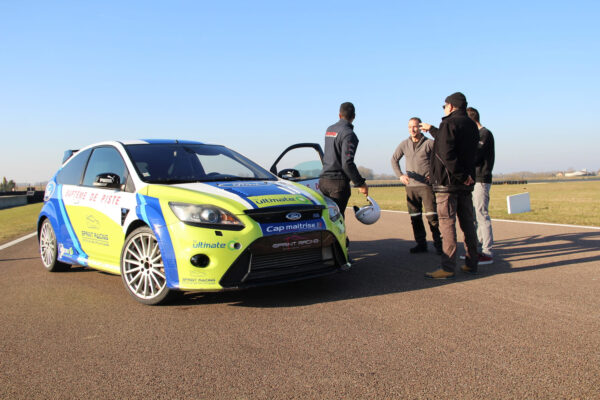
(49, 249)
(142, 268)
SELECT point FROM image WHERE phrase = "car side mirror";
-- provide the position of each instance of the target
(289, 173)
(108, 181)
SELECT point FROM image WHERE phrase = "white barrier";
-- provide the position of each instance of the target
(518, 203)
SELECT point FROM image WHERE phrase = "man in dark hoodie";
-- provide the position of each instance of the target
(338, 161)
(451, 172)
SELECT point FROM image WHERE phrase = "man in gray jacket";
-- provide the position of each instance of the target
(419, 194)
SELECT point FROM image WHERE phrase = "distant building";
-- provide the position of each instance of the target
(583, 172)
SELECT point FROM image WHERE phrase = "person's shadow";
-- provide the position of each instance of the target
(385, 266)
(543, 251)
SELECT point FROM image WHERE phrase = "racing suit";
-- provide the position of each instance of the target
(338, 163)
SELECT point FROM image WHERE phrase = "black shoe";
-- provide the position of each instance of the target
(418, 249)
(469, 270)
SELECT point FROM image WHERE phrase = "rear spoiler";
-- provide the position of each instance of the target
(68, 154)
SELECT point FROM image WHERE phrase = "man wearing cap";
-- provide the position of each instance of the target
(451, 173)
(417, 151)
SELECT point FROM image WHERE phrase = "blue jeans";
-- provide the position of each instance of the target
(483, 222)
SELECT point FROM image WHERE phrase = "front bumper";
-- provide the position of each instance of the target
(284, 258)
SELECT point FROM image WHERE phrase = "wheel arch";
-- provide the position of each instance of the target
(134, 225)
(48, 212)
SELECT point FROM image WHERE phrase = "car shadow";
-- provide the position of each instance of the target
(386, 266)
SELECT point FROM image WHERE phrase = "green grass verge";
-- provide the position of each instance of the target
(574, 203)
(18, 221)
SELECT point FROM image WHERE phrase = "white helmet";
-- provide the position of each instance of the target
(368, 214)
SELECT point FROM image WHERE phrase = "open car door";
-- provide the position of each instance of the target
(302, 163)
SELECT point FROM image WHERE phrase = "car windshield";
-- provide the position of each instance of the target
(184, 163)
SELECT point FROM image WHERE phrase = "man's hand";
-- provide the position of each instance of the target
(364, 189)
(469, 181)
(404, 179)
(424, 127)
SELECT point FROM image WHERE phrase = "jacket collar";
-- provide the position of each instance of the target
(423, 138)
(460, 111)
(342, 121)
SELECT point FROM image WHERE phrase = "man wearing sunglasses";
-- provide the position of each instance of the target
(451, 172)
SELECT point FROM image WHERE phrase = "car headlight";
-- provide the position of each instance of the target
(207, 216)
(334, 210)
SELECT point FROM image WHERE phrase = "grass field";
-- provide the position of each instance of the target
(574, 203)
(18, 221)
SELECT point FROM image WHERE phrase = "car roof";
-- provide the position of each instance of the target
(69, 153)
(160, 141)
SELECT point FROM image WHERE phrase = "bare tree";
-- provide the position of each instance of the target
(366, 173)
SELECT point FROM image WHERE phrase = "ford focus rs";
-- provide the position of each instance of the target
(186, 216)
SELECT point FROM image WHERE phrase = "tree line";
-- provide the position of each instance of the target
(7, 186)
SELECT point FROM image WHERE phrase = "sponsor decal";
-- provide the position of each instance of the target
(278, 199)
(242, 184)
(296, 242)
(50, 188)
(232, 245)
(293, 216)
(289, 227)
(108, 179)
(94, 238)
(92, 197)
(92, 222)
(198, 281)
(62, 250)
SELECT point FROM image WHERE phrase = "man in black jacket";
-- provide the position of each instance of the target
(338, 161)
(451, 173)
(484, 163)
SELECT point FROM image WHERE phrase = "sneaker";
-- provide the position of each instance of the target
(469, 270)
(418, 249)
(485, 260)
(439, 274)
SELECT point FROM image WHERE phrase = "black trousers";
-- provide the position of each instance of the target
(337, 190)
(417, 198)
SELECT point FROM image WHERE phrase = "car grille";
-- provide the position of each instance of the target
(264, 263)
(278, 214)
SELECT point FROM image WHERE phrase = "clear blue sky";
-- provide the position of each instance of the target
(258, 76)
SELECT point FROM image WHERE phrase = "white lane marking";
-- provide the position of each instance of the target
(548, 224)
(522, 222)
(4, 246)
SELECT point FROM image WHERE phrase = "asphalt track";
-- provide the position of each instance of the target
(527, 327)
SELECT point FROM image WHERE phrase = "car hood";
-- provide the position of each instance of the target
(254, 194)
